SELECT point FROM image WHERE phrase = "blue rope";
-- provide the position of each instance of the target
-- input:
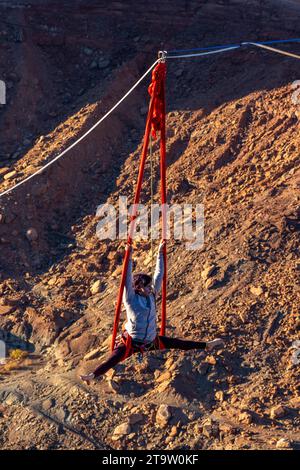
(200, 49)
(225, 46)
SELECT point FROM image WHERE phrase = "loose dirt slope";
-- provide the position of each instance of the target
(233, 145)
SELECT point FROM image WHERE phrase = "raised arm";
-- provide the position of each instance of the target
(159, 268)
(128, 288)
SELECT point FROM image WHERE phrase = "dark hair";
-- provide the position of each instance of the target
(141, 278)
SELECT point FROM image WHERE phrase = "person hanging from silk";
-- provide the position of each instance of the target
(140, 332)
(138, 292)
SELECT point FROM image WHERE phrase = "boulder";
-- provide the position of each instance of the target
(13, 399)
(245, 417)
(219, 396)
(174, 431)
(32, 234)
(9, 175)
(283, 443)
(48, 404)
(210, 283)
(277, 412)
(163, 415)
(164, 377)
(4, 171)
(208, 272)
(6, 309)
(96, 287)
(257, 291)
(120, 431)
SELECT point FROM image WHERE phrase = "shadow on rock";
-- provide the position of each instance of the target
(15, 342)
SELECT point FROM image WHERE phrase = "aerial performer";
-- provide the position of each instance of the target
(140, 333)
(138, 292)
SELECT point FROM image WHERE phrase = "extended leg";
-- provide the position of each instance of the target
(115, 357)
(185, 345)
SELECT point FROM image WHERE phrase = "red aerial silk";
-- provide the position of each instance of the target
(156, 122)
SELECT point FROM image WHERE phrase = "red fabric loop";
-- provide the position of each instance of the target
(156, 90)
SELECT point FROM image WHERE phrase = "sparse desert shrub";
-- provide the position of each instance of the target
(18, 354)
(17, 358)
